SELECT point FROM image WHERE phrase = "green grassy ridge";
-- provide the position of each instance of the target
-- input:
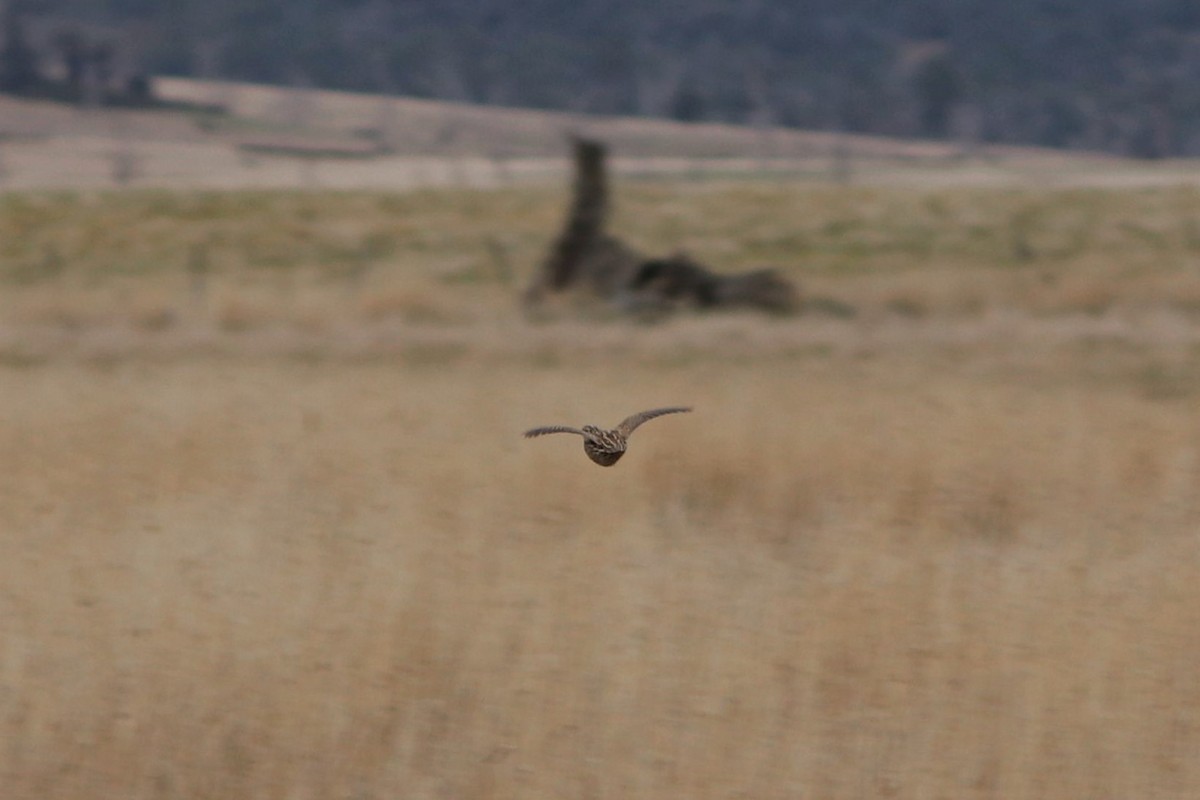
(819, 230)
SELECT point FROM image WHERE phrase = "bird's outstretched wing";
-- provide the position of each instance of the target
(629, 423)
(529, 434)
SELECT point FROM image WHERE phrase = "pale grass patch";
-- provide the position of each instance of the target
(833, 580)
(1179, 290)
(921, 294)
(152, 311)
(311, 307)
(408, 303)
(1083, 292)
(237, 314)
(65, 308)
(243, 309)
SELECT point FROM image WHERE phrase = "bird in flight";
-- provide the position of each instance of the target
(606, 447)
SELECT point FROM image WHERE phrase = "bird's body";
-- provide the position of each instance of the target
(606, 447)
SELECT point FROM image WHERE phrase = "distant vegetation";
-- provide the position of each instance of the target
(1100, 74)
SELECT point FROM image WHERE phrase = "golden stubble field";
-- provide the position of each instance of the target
(912, 553)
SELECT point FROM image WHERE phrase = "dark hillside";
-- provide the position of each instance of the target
(1112, 75)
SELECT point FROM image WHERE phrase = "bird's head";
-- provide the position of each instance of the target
(591, 431)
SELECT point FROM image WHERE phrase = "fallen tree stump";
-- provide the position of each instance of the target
(586, 258)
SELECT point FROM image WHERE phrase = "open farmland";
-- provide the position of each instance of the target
(269, 528)
(219, 135)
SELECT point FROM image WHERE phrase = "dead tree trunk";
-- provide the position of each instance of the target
(584, 254)
(586, 257)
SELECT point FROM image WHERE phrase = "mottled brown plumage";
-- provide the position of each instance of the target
(606, 447)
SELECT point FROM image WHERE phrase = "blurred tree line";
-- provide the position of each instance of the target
(1117, 75)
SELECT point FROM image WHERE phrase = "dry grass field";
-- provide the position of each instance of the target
(268, 527)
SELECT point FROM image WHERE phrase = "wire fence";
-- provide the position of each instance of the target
(231, 136)
(93, 162)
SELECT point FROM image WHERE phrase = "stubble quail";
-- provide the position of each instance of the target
(606, 447)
